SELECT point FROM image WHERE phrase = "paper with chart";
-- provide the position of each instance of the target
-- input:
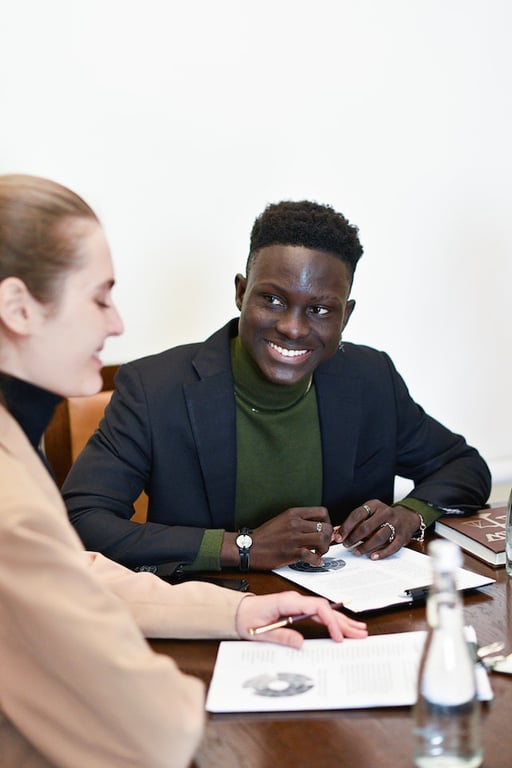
(379, 671)
(362, 584)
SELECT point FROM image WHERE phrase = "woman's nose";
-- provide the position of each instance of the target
(116, 325)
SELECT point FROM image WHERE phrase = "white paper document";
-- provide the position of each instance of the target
(362, 584)
(379, 671)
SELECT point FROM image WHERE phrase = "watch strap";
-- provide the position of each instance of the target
(244, 551)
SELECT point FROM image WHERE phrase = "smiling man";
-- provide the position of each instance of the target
(270, 440)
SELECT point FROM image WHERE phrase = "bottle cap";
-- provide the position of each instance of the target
(445, 555)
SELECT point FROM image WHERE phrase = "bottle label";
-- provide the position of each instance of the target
(446, 687)
(447, 698)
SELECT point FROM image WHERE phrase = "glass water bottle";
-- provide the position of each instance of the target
(508, 536)
(447, 713)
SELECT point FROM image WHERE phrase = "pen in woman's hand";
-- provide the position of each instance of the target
(288, 620)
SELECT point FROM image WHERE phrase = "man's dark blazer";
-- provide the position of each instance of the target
(170, 429)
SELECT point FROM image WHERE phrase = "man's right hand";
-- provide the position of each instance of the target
(298, 533)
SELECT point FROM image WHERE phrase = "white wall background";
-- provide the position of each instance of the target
(180, 121)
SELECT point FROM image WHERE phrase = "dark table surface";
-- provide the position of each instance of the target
(370, 738)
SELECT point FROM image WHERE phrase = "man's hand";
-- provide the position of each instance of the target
(299, 533)
(382, 530)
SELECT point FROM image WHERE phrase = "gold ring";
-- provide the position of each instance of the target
(367, 509)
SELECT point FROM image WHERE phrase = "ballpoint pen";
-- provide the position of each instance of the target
(353, 546)
(288, 620)
(417, 594)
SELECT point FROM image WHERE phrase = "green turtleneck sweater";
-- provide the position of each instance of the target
(279, 449)
(279, 453)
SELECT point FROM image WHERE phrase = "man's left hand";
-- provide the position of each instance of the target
(382, 530)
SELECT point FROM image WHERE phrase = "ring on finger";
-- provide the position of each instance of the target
(367, 509)
(319, 527)
(392, 528)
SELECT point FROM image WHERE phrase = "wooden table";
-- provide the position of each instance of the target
(371, 738)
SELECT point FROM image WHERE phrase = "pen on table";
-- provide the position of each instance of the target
(288, 620)
(416, 594)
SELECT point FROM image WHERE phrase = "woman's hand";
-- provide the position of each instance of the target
(259, 610)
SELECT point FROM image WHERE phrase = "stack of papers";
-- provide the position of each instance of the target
(362, 584)
(378, 671)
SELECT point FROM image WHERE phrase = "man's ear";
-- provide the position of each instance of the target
(348, 312)
(240, 286)
(16, 305)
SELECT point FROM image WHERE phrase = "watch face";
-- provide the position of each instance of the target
(243, 541)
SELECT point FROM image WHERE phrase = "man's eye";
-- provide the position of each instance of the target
(102, 303)
(319, 311)
(275, 301)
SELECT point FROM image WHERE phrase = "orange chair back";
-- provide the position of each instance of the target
(74, 421)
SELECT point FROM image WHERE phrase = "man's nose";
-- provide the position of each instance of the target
(293, 324)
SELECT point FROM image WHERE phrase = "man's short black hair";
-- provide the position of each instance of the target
(308, 224)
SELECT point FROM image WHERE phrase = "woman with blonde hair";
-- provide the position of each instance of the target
(79, 685)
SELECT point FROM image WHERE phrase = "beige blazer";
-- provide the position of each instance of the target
(79, 685)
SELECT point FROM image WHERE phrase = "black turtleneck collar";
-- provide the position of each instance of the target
(31, 406)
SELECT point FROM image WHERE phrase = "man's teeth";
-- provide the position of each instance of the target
(288, 352)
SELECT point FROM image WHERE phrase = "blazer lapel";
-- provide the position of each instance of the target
(211, 408)
(339, 408)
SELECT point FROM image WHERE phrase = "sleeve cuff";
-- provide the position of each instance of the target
(428, 513)
(208, 556)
